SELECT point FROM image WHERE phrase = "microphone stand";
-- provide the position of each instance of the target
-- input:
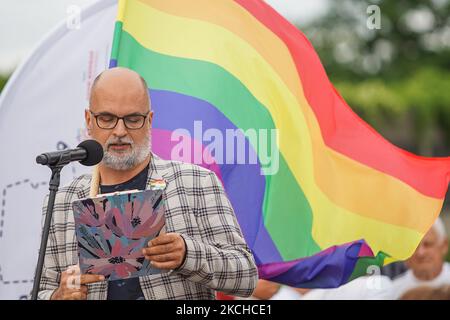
(53, 187)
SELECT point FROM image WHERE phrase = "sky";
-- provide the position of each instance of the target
(24, 23)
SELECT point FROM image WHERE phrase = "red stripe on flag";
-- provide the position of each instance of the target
(341, 128)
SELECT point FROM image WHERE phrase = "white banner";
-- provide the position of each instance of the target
(42, 109)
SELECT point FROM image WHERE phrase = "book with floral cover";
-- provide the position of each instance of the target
(112, 229)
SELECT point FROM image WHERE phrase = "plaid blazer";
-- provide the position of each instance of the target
(196, 206)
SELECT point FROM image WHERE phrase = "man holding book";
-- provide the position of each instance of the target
(202, 247)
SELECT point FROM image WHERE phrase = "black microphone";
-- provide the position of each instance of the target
(88, 153)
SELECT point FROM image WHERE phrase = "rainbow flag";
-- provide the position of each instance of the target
(341, 199)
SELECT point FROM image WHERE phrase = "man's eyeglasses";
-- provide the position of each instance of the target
(109, 121)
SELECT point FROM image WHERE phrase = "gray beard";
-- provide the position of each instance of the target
(128, 161)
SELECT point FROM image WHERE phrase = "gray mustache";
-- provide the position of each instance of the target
(120, 141)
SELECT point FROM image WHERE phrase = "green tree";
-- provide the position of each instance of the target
(3, 80)
(412, 34)
(396, 76)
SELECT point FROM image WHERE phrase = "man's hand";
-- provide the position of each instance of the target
(166, 251)
(73, 284)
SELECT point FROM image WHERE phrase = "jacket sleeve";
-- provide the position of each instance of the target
(221, 260)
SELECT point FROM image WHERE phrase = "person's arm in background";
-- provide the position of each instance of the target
(266, 289)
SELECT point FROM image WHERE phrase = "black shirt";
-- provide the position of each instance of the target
(127, 289)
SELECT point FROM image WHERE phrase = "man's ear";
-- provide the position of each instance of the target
(88, 119)
(150, 118)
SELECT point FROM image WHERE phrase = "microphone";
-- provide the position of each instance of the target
(88, 153)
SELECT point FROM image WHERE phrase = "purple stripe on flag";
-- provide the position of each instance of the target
(244, 184)
(112, 63)
(328, 269)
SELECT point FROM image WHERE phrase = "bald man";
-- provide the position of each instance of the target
(202, 247)
(427, 266)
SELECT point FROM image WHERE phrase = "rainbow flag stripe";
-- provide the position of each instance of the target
(343, 197)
